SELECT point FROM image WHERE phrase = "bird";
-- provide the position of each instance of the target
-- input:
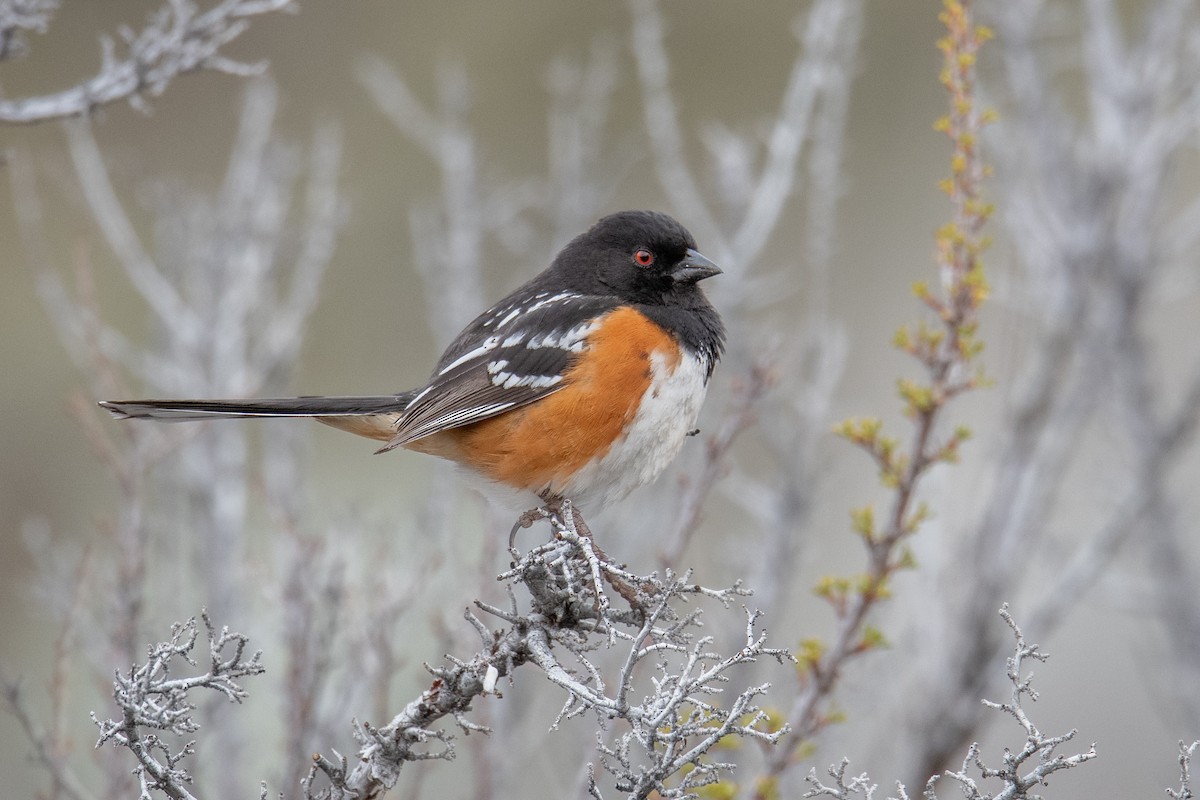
(580, 385)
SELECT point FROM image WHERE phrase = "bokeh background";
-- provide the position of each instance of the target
(1116, 656)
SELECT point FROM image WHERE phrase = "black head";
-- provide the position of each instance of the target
(641, 256)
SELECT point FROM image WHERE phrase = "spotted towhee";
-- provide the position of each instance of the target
(580, 385)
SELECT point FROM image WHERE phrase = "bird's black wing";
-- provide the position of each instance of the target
(510, 356)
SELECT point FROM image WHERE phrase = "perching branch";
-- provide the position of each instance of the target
(666, 690)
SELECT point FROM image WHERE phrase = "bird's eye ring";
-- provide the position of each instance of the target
(643, 257)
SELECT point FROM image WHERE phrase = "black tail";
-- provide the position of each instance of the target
(179, 410)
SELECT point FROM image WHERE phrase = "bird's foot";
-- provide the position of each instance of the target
(526, 520)
(562, 514)
(602, 567)
(569, 525)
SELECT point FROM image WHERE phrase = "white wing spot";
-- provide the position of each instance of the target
(548, 300)
(572, 340)
(510, 312)
(509, 318)
(508, 380)
(419, 395)
(489, 344)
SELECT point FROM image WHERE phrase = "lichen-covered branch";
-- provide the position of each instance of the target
(668, 689)
(1184, 792)
(150, 699)
(1028, 766)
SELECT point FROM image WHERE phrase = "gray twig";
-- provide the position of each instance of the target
(1186, 751)
(180, 37)
(1039, 749)
(149, 700)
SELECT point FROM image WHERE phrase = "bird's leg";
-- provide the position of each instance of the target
(570, 519)
(553, 508)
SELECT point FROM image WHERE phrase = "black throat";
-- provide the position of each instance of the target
(694, 323)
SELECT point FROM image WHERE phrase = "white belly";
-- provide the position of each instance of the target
(666, 415)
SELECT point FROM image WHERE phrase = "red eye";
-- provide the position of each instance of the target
(643, 257)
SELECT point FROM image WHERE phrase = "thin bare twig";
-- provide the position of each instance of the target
(179, 38)
(1018, 778)
(150, 701)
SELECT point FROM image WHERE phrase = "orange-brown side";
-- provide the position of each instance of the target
(374, 426)
(549, 440)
